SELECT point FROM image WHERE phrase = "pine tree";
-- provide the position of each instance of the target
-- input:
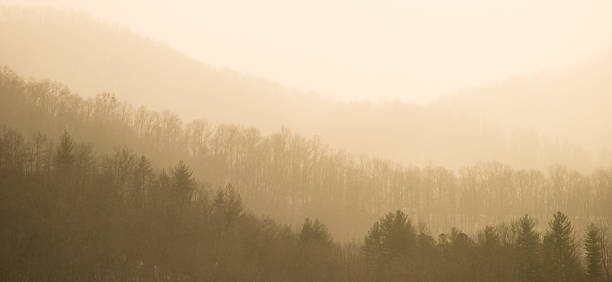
(183, 183)
(316, 259)
(559, 251)
(314, 232)
(227, 205)
(392, 236)
(528, 253)
(593, 253)
(390, 246)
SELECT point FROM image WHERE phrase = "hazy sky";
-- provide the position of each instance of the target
(412, 50)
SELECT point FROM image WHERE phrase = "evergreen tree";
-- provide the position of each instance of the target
(391, 236)
(373, 243)
(314, 232)
(388, 247)
(494, 261)
(593, 253)
(528, 253)
(400, 235)
(227, 205)
(316, 258)
(560, 256)
(183, 183)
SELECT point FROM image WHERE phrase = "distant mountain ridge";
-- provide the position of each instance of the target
(573, 105)
(93, 57)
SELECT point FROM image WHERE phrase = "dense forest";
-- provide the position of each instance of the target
(92, 56)
(71, 214)
(149, 165)
(288, 177)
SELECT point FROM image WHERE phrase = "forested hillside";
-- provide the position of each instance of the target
(94, 57)
(123, 159)
(71, 214)
(288, 177)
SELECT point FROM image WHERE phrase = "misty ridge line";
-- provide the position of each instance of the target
(145, 72)
(509, 182)
(288, 177)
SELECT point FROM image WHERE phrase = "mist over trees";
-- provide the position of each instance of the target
(96, 188)
(289, 177)
(94, 57)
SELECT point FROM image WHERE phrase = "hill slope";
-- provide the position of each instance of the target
(94, 57)
(573, 105)
(287, 176)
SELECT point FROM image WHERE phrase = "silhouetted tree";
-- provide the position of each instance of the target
(388, 246)
(593, 253)
(183, 183)
(227, 205)
(528, 251)
(560, 260)
(317, 258)
(314, 232)
(606, 253)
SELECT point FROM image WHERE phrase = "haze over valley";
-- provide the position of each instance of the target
(284, 141)
(450, 132)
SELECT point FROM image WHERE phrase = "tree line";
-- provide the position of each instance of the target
(288, 177)
(71, 214)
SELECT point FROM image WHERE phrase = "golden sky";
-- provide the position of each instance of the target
(385, 49)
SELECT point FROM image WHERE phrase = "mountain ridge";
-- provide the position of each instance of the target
(94, 57)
